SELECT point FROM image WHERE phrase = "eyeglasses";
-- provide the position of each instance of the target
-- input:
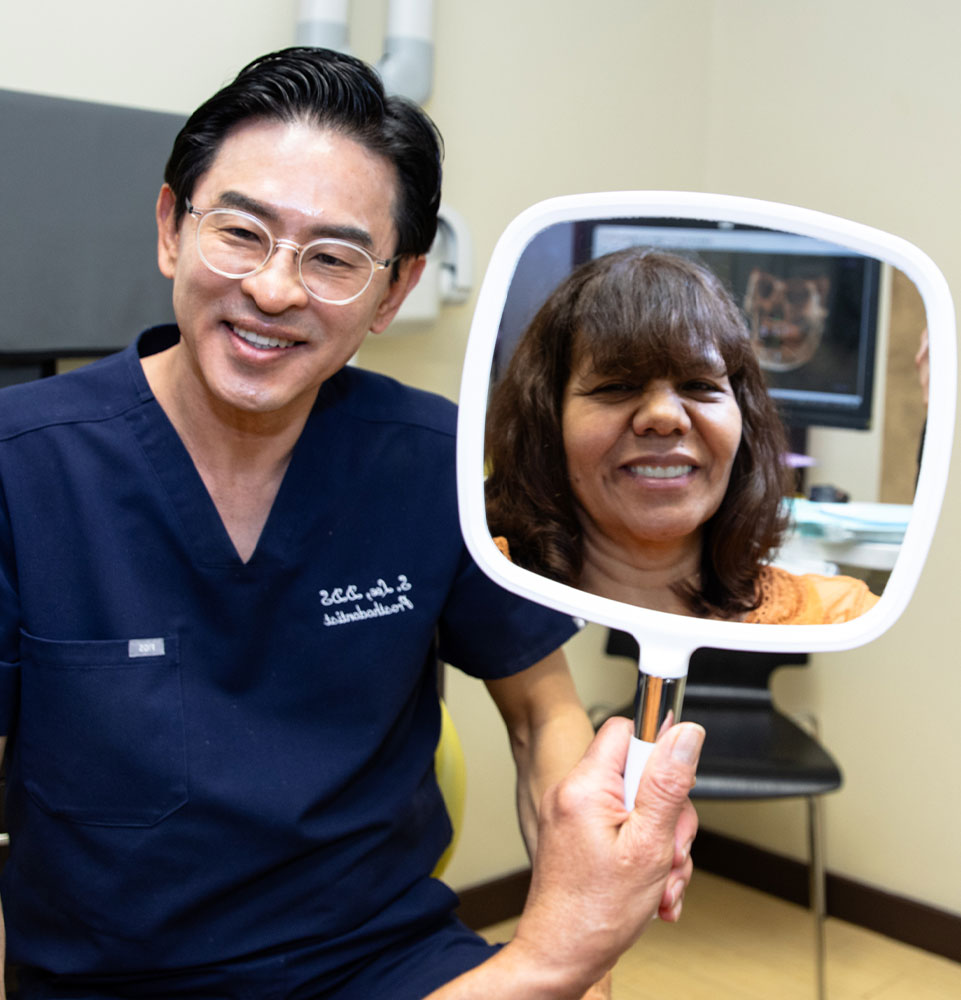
(236, 244)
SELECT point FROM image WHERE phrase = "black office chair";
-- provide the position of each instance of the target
(752, 750)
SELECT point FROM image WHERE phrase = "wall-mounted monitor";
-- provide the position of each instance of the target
(812, 306)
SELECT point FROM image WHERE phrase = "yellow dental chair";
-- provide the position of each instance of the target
(452, 778)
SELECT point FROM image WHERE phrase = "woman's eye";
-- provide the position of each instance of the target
(703, 385)
(613, 388)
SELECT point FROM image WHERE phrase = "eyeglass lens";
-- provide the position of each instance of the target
(237, 245)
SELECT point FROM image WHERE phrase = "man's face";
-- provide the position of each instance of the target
(261, 344)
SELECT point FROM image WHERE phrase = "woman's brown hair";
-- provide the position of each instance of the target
(645, 314)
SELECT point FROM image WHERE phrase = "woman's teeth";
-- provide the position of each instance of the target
(661, 471)
(258, 341)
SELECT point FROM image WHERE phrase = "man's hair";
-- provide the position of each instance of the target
(330, 90)
(639, 314)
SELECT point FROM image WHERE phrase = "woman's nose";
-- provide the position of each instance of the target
(661, 410)
(277, 287)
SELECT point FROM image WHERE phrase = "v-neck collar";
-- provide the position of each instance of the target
(205, 534)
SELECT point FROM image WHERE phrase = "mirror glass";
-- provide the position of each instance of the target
(825, 323)
(836, 314)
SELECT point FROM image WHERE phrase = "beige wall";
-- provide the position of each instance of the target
(860, 98)
(848, 106)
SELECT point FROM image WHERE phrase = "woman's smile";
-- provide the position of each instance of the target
(643, 471)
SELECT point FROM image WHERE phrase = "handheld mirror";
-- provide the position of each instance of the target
(819, 295)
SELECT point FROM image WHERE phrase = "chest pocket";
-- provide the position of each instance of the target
(101, 729)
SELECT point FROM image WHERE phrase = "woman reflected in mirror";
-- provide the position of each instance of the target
(633, 450)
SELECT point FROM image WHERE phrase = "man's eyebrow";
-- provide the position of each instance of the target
(353, 234)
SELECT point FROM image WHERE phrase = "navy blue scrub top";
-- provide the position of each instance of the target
(210, 759)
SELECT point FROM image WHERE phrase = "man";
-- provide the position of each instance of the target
(227, 566)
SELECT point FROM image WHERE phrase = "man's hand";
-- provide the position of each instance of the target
(601, 873)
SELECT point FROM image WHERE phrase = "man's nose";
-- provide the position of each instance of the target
(277, 286)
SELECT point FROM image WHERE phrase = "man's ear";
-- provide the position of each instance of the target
(409, 271)
(168, 232)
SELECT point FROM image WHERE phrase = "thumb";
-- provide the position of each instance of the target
(668, 779)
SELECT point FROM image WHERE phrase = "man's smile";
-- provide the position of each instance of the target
(258, 340)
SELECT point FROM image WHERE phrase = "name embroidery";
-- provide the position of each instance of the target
(377, 601)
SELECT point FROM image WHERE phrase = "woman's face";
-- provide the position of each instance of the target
(649, 461)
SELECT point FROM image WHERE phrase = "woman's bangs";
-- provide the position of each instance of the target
(640, 337)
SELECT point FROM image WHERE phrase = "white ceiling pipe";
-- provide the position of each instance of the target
(407, 65)
(323, 23)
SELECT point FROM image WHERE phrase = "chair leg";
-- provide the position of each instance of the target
(818, 901)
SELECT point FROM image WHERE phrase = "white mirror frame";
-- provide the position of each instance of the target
(667, 640)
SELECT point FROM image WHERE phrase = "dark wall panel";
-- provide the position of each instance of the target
(78, 259)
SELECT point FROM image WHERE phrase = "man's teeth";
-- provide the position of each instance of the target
(258, 341)
(661, 471)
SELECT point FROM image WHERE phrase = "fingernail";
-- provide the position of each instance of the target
(687, 744)
(675, 893)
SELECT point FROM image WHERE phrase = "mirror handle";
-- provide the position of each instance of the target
(657, 702)
(637, 756)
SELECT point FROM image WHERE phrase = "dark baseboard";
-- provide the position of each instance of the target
(917, 924)
(752, 866)
(492, 902)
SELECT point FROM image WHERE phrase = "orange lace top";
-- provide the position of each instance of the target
(787, 599)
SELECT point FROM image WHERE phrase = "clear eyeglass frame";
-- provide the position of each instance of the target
(299, 249)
